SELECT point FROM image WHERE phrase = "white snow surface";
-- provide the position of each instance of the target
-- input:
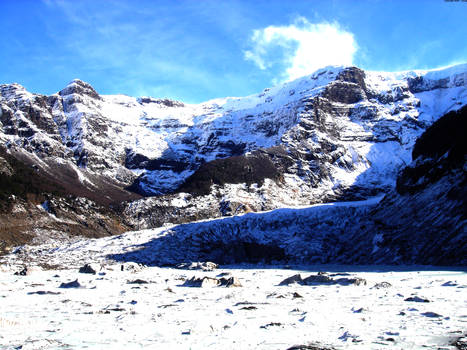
(107, 312)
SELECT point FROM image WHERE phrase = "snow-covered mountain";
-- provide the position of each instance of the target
(338, 134)
(422, 221)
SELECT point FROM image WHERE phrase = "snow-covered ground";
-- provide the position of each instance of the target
(110, 312)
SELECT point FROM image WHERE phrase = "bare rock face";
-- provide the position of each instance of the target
(79, 88)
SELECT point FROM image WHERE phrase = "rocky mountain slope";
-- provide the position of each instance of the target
(338, 134)
(422, 221)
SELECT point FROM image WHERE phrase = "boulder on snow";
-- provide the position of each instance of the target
(322, 279)
(292, 279)
(88, 268)
(357, 281)
(382, 285)
(417, 299)
(318, 279)
(27, 270)
(201, 282)
(230, 282)
(212, 282)
(73, 284)
(131, 267)
(24, 272)
(205, 266)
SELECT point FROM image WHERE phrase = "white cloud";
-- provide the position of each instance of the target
(301, 48)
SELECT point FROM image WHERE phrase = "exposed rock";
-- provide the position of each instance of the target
(460, 343)
(230, 282)
(431, 314)
(212, 282)
(292, 279)
(204, 266)
(417, 299)
(358, 311)
(322, 279)
(272, 324)
(79, 87)
(44, 292)
(87, 268)
(249, 308)
(202, 282)
(5, 168)
(24, 272)
(162, 101)
(382, 285)
(308, 347)
(131, 267)
(73, 284)
(138, 281)
(449, 284)
(317, 280)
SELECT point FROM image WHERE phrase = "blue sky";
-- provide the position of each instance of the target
(195, 50)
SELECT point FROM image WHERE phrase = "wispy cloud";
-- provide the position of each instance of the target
(301, 48)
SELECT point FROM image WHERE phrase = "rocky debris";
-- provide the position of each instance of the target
(73, 284)
(271, 324)
(317, 280)
(322, 279)
(382, 285)
(309, 347)
(137, 281)
(162, 101)
(417, 299)
(202, 282)
(230, 282)
(431, 314)
(224, 274)
(292, 279)
(295, 295)
(44, 292)
(212, 282)
(24, 272)
(359, 310)
(240, 303)
(450, 284)
(249, 308)
(88, 268)
(204, 266)
(460, 343)
(347, 335)
(27, 270)
(131, 267)
(109, 308)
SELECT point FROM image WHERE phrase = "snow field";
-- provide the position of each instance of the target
(108, 313)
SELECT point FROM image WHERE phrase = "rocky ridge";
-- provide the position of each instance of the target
(338, 134)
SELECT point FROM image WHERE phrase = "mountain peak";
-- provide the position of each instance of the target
(77, 86)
